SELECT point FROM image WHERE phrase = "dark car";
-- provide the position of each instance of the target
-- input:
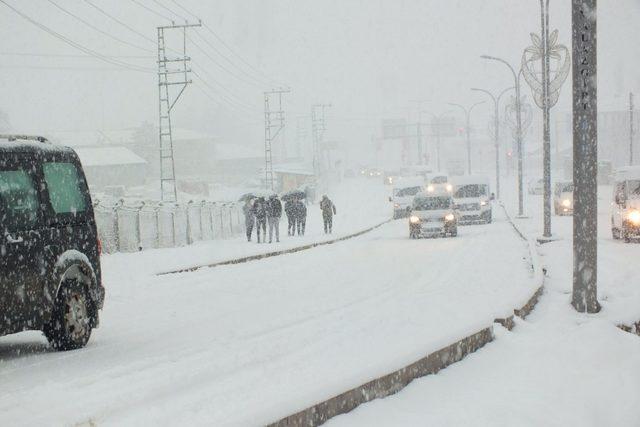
(50, 270)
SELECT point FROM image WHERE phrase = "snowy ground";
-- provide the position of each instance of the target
(250, 343)
(360, 204)
(557, 368)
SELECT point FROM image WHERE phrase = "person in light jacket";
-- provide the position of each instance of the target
(274, 212)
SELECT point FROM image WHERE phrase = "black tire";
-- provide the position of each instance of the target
(626, 237)
(615, 233)
(454, 232)
(71, 323)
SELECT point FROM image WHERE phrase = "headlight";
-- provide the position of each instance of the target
(395, 205)
(449, 217)
(430, 188)
(634, 217)
(449, 188)
(414, 219)
(566, 203)
(483, 203)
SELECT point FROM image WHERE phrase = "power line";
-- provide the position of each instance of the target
(63, 55)
(231, 99)
(88, 24)
(229, 48)
(152, 11)
(77, 45)
(169, 10)
(212, 59)
(116, 20)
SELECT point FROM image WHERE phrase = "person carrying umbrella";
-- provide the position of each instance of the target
(300, 216)
(249, 217)
(289, 210)
(260, 212)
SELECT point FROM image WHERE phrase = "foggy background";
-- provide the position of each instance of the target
(368, 58)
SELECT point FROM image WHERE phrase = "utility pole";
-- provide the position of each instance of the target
(631, 130)
(273, 125)
(301, 133)
(168, 78)
(467, 112)
(318, 127)
(585, 157)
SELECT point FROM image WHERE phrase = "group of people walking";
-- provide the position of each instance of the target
(260, 213)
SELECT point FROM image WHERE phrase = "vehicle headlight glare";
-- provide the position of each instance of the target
(395, 205)
(483, 203)
(566, 203)
(430, 188)
(414, 219)
(449, 188)
(449, 217)
(634, 217)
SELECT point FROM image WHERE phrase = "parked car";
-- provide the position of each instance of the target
(563, 198)
(433, 216)
(473, 199)
(50, 275)
(625, 204)
(402, 195)
(536, 186)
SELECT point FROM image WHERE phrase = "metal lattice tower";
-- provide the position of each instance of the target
(273, 125)
(168, 78)
(318, 128)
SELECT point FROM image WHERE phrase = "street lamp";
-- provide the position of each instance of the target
(467, 112)
(496, 104)
(516, 79)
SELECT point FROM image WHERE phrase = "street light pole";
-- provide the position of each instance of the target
(467, 112)
(546, 145)
(516, 79)
(585, 157)
(496, 104)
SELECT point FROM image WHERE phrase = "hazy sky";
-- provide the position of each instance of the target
(368, 58)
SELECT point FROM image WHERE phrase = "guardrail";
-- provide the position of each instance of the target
(132, 226)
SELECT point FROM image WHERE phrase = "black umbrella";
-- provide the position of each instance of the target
(246, 197)
(293, 195)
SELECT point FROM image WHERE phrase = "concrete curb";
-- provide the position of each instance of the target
(394, 382)
(388, 384)
(274, 253)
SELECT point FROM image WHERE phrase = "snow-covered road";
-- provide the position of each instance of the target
(557, 368)
(248, 344)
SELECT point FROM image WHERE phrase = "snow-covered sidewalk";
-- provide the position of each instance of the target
(361, 204)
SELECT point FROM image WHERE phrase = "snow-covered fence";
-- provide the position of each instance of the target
(126, 226)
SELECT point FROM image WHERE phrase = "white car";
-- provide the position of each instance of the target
(563, 198)
(433, 216)
(402, 196)
(438, 184)
(473, 198)
(625, 204)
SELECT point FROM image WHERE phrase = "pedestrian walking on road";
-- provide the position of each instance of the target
(260, 212)
(289, 210)
(274, 212)
(328, 211)
(301, 217)
(249, 217)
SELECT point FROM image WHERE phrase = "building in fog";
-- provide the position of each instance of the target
(112, 166)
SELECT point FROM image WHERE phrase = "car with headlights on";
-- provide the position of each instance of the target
(402, 195)
(625, 206)
(438, 184)
(433, 216)
(473, 199)
(563, 198)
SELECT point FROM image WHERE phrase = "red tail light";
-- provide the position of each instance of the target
(99, 247)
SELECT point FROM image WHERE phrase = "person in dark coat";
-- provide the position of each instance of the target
(301, 217)
(260, 212)
(249, 217)
(289, 210)
(328, 211)
(274, 212)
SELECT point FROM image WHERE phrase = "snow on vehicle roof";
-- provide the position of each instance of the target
(30, 145)
(471, 179)
(627, 172)
(412, 181)
(108, 156)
